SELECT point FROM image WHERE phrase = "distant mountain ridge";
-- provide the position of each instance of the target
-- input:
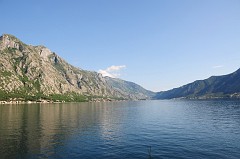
(35, 71)
(226, 86)
(130, 88)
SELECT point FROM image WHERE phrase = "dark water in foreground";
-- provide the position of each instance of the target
(173, 129)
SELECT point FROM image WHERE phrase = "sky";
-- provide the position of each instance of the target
(159, 44)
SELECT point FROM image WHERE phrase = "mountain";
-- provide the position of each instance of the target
(33, 72)
(131, 89)
(226, 86)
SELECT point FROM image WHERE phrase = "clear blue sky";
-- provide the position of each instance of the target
(163, 43)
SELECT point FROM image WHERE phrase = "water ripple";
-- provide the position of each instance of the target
(173, 129)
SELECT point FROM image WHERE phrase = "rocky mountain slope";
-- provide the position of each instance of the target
(35, 71)
(226, 86)
(131, 89)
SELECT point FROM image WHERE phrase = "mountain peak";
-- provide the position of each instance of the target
(10, 41)
(28, 71)
(9, 37)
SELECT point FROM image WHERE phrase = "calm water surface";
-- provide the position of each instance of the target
(173, 129)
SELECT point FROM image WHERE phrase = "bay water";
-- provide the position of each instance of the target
(128, 129)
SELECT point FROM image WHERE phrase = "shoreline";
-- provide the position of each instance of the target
(29, 102)
(55, 102)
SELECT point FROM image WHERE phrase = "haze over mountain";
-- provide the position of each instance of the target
(134, 90)
(35, 71)
(226, 86)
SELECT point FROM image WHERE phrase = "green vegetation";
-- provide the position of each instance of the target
(20, 95)
(59, 67)
(37, 85)
(16, 62)
(72, 97)
(5, 73)
(24, 79)
(3, 95)
(91, 97)
(23, 96)
(11, 50)
(56, 64)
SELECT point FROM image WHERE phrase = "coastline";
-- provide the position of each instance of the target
(57, 101)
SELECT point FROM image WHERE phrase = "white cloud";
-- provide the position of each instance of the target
(115, 68)
(217, 66)
(112, 71)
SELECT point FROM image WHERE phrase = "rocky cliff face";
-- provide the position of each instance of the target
(35, 70)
